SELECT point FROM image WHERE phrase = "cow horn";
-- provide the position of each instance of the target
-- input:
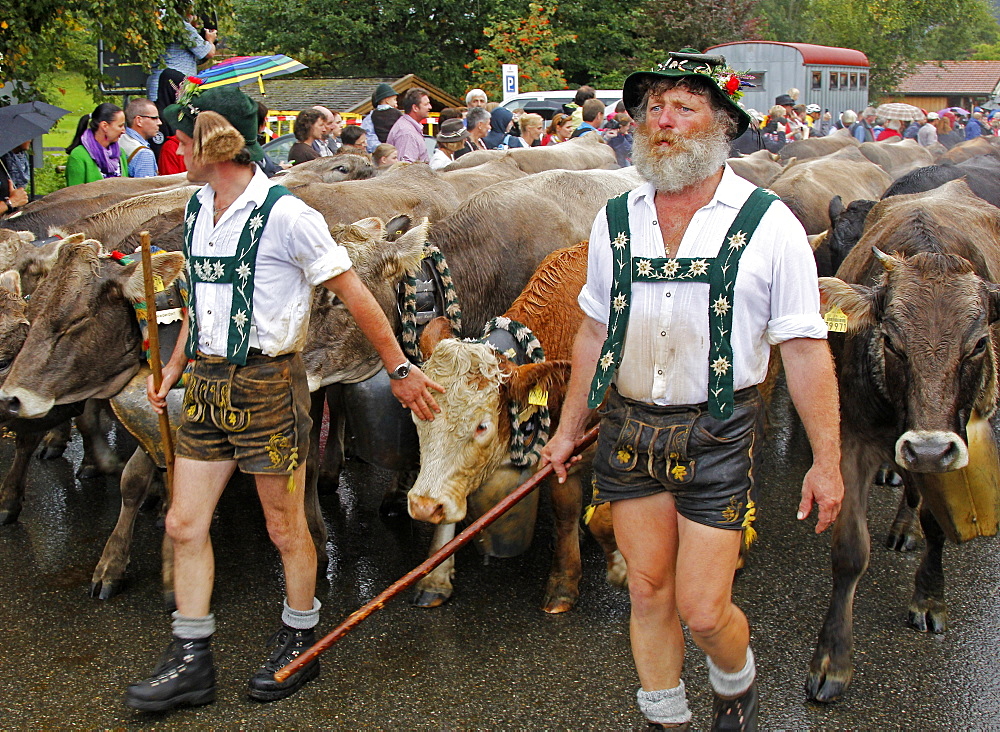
(888, 261)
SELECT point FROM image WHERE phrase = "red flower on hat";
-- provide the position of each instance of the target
(195, 80)
(732, 84)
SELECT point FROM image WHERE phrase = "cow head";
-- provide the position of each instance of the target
(85, 340)
(468, 443)
(336, 350)
(926, 330)
(846, 226)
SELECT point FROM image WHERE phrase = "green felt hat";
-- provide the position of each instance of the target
(239, 109)
(724, 83)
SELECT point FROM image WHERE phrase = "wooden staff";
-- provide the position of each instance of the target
(153, 332)
(429, 564)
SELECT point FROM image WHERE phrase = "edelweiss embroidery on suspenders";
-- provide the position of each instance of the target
(720, 275)
(237, 270)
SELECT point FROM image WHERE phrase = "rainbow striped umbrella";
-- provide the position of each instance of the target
(242, 70)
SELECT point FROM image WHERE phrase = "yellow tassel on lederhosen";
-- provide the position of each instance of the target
(588, 512)
(749, 533)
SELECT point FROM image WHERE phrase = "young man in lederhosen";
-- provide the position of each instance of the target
(692, 276)
(254, 253)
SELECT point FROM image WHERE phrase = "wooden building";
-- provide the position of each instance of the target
(935, 85)
(834, 78)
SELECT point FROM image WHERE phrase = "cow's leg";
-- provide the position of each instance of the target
(563, 587)
(333, 457)
(393, 505)
(904, 534)
(314, 513)
(98, 457)
(12, 486)
(109, 575)
(601, 529)
(435, 589)
(928, 611)
(831, 667)
(54, 442)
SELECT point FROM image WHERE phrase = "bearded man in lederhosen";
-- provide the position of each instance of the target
(692, 277)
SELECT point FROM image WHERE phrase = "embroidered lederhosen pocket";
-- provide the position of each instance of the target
(657, 438)
(211, 398)
(673, 465)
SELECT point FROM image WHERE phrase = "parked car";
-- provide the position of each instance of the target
(550, 103)
(277, 149)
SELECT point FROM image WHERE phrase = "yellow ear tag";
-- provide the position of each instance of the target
(836, 321)
(538, 397)
(158, 283)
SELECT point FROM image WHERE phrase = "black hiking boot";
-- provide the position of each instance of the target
(288, 644)
(738, 715)
(185, 676)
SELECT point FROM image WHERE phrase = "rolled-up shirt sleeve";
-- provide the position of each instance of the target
(794, 287)
(311, 246)
(595, 296)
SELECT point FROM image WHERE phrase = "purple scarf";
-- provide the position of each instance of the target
(107, 159)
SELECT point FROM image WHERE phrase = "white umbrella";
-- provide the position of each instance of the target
(900, 111)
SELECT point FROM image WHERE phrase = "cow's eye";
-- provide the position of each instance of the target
(980, 346)
(898, 353)
(481, 428)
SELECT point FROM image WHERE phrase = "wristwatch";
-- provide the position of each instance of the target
(10, 206)
(401, 371)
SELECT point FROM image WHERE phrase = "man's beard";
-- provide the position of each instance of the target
(689, 159)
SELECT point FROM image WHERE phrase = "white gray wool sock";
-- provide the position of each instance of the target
(301, 619)
(665, 706)
(732, 684)
(192, 628)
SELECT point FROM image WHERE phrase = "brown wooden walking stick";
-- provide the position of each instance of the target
(153, 335)
(429, 564)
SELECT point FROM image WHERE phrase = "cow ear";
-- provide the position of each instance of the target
(993, 293)
(166, 266)
(548, 377)
(836, 207)
(397, 226)
(11, 282)
(372, 225)
(436, 331)
(857, 302)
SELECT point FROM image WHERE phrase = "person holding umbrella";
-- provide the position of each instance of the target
(19, 125)
(13, 197)
(95, 153)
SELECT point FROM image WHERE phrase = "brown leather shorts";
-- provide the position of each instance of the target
(707, 464)
(257, 415)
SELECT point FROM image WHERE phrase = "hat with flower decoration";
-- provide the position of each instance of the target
(724, 83)
(238, 109)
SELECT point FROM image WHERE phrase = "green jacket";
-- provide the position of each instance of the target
(81, 168)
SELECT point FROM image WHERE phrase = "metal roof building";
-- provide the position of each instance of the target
(834, 78)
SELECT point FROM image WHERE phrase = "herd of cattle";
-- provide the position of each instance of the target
(913, 236)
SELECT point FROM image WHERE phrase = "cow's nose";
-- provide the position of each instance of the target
(425, 508)
(10, 405)
(935, 452)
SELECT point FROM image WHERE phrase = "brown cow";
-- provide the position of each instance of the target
(970, 149)
(897, 158)
(331, 169)
(468, 181)
(760, 168)
(916, 367)
(815, 147)
(582, 153)
(807, 187)
(467, 448)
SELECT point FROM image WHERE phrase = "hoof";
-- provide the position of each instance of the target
(9, 516)
(86, 472)
(51, 452)
(826, 687)
(929, 616)
(169, 602)
(558, 605)
(106, 589)
(429, 599)
(902, 541)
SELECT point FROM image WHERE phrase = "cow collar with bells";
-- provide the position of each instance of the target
(718, 272)
(169, 308)
(529, 424)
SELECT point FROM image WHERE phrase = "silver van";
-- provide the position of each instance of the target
(549, 103)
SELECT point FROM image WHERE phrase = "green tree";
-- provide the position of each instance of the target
(670, 25)
(530, 42)
(431, 38)
(607, 41)
(784, 20)
(39, 37)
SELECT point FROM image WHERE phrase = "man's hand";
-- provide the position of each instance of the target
(171, 374)
(559, 452)
(18, 197)
(823, 486)
(414, 393)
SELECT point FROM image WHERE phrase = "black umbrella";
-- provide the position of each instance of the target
(22, 122)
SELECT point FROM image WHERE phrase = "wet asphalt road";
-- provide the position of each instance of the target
(490, 659)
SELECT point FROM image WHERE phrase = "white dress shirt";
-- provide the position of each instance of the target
(665, 356)
(295, 254)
